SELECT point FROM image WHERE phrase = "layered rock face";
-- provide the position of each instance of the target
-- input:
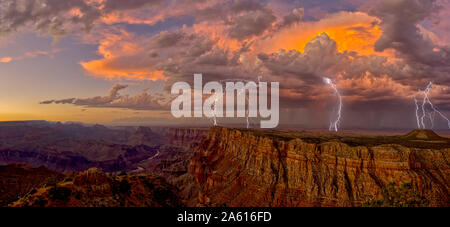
(184, 136)
(249, 168)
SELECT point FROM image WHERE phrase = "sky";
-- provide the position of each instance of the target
(113, 62)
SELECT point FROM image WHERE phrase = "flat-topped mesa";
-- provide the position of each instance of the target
(236, 167)
(423, 134)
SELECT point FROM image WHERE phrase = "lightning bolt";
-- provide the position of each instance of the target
(421, 107)
(335, 124)
(417, 113)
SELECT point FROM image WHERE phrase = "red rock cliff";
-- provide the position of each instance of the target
(243, 168)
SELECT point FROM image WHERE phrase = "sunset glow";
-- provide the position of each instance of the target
(62, 62)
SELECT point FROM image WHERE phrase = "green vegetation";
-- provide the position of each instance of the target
(399, 196)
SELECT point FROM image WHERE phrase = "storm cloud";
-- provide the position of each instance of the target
(379, 53)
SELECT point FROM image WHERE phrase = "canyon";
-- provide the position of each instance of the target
(225, 166)
(75, 147)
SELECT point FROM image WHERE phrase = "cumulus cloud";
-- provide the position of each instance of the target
(362, 79)
(352, 31)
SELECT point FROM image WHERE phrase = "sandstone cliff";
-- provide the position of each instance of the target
(184, 136)
(262, 168)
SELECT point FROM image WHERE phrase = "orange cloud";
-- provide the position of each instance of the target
(352, 31)
(124, 56)
(120, 17)
(114, 48)
(5, 59)
(31, 54)
(102, 68)
(76, 12)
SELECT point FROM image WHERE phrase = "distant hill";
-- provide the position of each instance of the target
(423, 134)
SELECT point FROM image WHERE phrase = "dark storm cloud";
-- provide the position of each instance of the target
(199, 54)
(246, 5)
(167, 39)
(214, 57)
(420, 60)
(367, 82)
(252, 23)
(57, 16)
(129, 4)
(45, 15)
(244, 18)
(294, 17)
(320, 57)
(362, 78)
(225, 9)
(400, 19)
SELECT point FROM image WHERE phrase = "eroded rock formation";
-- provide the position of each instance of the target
(250, 168)
(93, 188)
